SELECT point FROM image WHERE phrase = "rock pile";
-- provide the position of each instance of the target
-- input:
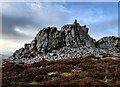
(66, 52)
(71, 41)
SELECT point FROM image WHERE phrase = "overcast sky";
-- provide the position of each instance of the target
(21, 21)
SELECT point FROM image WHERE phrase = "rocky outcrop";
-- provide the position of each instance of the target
(70, 35)
(109, 43)
(72, 41)
(48, 39)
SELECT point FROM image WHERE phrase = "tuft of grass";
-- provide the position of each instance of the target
(66, 74)
(34, 83)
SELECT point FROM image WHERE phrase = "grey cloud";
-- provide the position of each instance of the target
(31, 19)
(10, 22)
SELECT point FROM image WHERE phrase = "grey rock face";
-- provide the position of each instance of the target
(72, 35)
(48, 39)
(109, 43)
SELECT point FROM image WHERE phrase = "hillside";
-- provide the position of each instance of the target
(67, 57)
(76, 72)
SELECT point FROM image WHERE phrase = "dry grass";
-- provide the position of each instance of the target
(78, 71)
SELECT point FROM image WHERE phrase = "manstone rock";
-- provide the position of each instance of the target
(72, 41)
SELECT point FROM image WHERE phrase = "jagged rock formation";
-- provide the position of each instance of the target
(109, 43)
(72, 35)
(71, 41)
